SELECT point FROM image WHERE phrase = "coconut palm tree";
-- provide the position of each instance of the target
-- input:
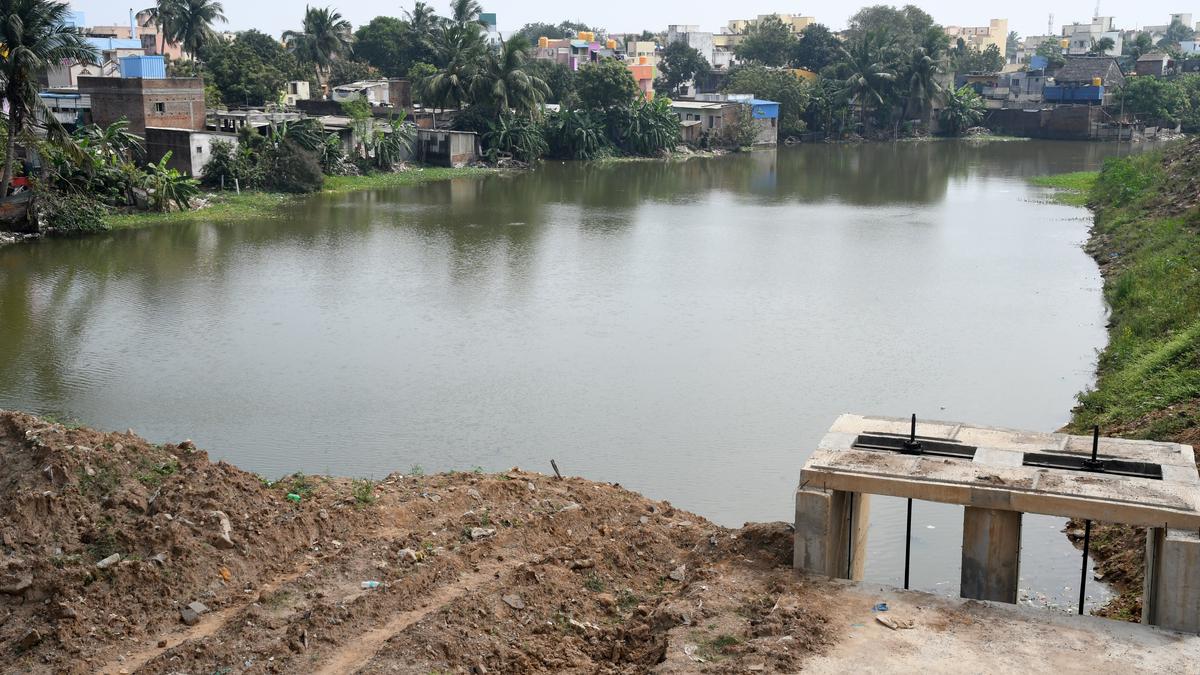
(866, 60)
(35, 35)
(925, 64)
(464, 12)
(325, 38)
(193, 23)
(506, 85)
(421, 19)
(163, 15)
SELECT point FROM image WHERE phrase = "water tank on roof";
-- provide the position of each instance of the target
(642, 60)
(146, 67)
(611, 44)
(586, 35)
(1097, 81)
(543, 42)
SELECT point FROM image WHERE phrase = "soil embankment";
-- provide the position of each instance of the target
(117, 555)
(1146, 239)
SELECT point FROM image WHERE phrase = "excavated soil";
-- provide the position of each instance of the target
(516, 572)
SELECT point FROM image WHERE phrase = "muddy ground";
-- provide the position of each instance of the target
(106, 540)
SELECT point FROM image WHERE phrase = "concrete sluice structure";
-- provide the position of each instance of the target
(998, 475)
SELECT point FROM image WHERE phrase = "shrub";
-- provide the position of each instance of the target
(516, 136)
(290, 168)
(576, 134)
(228, 163)
(70, 213)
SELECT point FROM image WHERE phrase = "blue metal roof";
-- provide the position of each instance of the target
(762, 101)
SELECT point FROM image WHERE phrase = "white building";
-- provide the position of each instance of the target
(693, 37)
(1082, 37)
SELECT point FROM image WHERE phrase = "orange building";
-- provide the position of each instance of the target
(644, 73)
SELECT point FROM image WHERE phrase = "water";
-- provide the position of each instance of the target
(688, 330)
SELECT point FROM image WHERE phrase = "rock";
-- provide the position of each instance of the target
(162, 644)
(160, 558)
(474, 494)
(606, 599)
(189, 617)
(29, 640)
(531, 486)
(478, 533)
(679, 573)
(407, 555)
(323, 514)
(56, 475)
(109, 561)
(66, 612)
(198, 607)
(643, 520)
(15, 584)
(582, 564)
(187, 445)
(513, 601)
(223, 538)
(570, 507)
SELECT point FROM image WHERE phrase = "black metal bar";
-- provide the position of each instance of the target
(912, 446)
(1087, 540)
(907, 542)
(850, 538)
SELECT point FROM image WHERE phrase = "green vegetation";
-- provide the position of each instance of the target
(364, 492)
(1148, 381)
(1073, 189)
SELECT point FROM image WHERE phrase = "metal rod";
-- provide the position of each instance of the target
(850, 538)
(907, 542)
(1095, 441)
(1087, 540)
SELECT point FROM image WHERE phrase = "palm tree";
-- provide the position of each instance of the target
(925, 64)
(458, 50)
(870, 75)
(506, 85)
(1102, 46)
(464, 12)
(964, 109)
(163, 15)
(421, 19)
(325, 38)
(36, 36)
(193, 21)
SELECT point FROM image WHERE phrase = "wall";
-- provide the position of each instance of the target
(1073, 122)
(190, 150)
(446, 148)
(173, 102)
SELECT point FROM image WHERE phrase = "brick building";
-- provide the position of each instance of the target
(174, 102)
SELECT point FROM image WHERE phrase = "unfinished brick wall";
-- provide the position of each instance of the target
(175, 102)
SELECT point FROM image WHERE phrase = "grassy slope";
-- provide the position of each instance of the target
(1145, 239)
(229, 207)
(1070, 188)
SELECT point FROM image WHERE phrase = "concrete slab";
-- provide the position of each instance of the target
(967, 636)
(995, 479)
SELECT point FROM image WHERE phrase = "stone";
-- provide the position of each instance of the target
(15, 584)
(478, 533)
(109, 561)
(474, 494)
(643, 520)
(323, 514)
(679, 573)
(189, 617)
(56, 475)
(408, 555)
(198, 607)
(223, 538)
(570, 507)
(29, 640)
(187, 444)
(513, 601)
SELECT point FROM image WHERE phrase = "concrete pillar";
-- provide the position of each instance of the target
(1171, 594)
(828, 524)
(991, 554)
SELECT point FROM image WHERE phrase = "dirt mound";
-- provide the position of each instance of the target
(1181, 189)
(119, 555)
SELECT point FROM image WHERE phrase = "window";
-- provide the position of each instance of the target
(160, 107)
(199, 149)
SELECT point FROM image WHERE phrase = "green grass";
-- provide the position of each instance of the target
(1069, 188)
(229, 207)
(1152, 287)
(364, 492)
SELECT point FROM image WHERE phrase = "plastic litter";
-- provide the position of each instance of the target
(370, 584)
(295, 498)
(881, 607)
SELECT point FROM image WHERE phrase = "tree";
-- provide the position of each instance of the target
(35, 35)
(565, 29)
(345, 71)
(969, 59)
(464, 12)
(964, 109)
(816, 49)
(1176, 33)
(926, 63)
(781, 86)
(605, 84)
(163, 16)
(1156, 100)
(1102, 46)
(559, 78)
(324, 38)
(251, 70)
(1012, 44)
(680, 64)
(504, 84)
(191, 24)
(1139, 46)
(769, 42)
(1053, 55)
(458, 51)
(904, 27)
(867, 60)
(388, 44)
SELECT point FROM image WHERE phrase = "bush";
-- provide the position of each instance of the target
(69, 213)
(290, 168)
(229, 163)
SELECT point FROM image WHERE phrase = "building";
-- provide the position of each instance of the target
(190, 149)
(170, 102)
(693, 37)
(1190, 47)
(644, 73)
(982, 37)
(393, 93)
(1085, 79)
(1156, 64)
(142, 28)
(297, 90)
(1081, 37)
(712, 113)
(735, 30)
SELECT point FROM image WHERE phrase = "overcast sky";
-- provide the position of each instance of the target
(1027, 17)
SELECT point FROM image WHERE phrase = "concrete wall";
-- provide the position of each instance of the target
(446, 148)
(172, 102)
(1076, 122)
(190, 150)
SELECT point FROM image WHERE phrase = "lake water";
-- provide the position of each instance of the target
(687, 329)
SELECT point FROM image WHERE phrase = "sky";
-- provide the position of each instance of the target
(1027, 17)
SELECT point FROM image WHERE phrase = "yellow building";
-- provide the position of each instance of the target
(982, 37)
(736, 29)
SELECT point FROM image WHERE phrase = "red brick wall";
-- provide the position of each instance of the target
(176, 102)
